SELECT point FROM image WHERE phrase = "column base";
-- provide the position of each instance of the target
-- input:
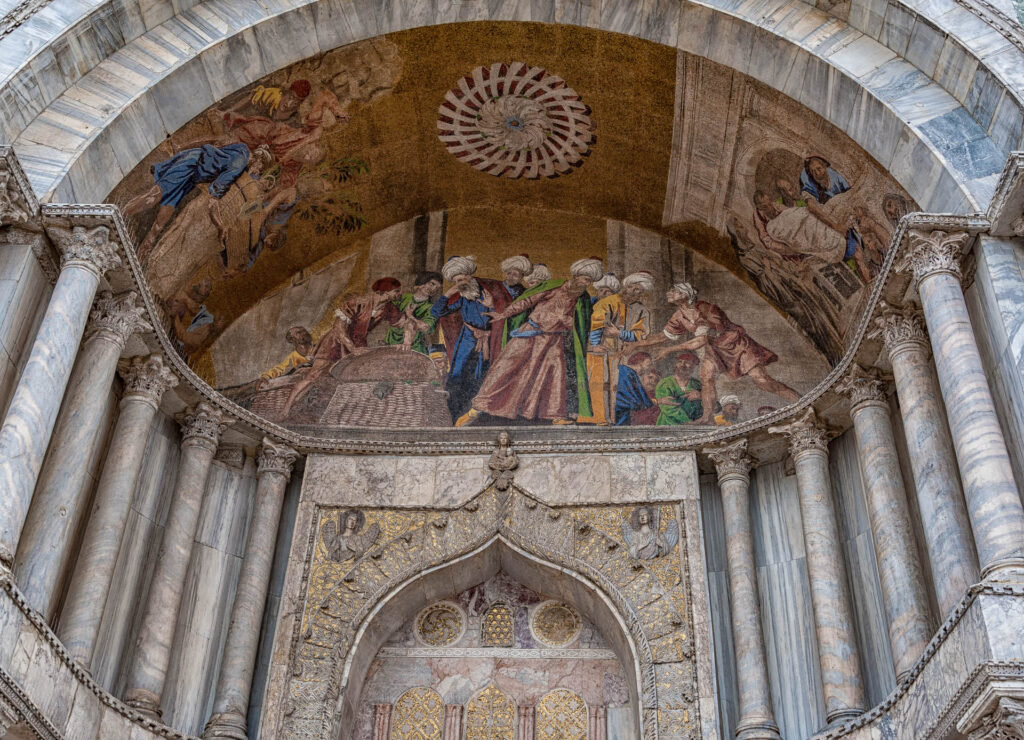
(144, 702)
(1007, 570)
(758, 729)
(226, 724)
(841, 716)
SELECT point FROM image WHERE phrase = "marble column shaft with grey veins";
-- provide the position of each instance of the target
(201, 427)
(85, 255)
(452, 722)
(524, 727)
(997, 515)
(231, 702)
(145, 381)
(940, 499)
(830, 597)
(382, 721)
(906, 604)
(61, 496)
(756, 716)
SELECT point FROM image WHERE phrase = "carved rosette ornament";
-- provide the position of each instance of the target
(864, 387)
(900, 328)
(202, 424)
(731, 460)
(147, 378)
(933, 253)
(116, 317)
(276, 458)
(806, 434)
(88, 248)
(1006, 722)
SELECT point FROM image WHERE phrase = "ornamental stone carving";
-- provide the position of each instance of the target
(116, 317)
(147, 378)
(555, 624)
(731, 460)
(805, 434)
(900, 328)
(14, 208)
(864, 387)
(276, 458)
(1006, 722)
(503, 463)
(88, 248)
(203, 424)
(933, 252)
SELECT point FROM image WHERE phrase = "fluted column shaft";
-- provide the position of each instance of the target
(830, 597)
(61, 495)
(940, 499)
(231, 702)
(381, 721)
(899, 571)
(452, 722)
(997, 515)
(201, 428)
(146, 379)
(25, 435)
(756, 716)
(524, 725)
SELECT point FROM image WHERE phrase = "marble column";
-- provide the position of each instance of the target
(756, 716)
(86, 254)
(940, 499)
(61, 496)
(145, 381)
(231, 702)
(381, 721)
(598, 725)
(452, 722)
(899, 572)
(830, 597)
(997, 515)
(201, 427)
(524, 725)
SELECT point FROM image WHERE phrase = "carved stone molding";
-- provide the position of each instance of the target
(18, 205)
(147, 378)
(17, 708)
(805, 434)
(116, 317)
(900, 328)
(731, 460)
(933, 252)
(203, 424)
(276, 458)
(90, 248)
(864, 387)
(232, 455)
(1005, 721)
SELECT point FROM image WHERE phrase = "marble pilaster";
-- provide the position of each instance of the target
(525, 722)
(906, 604)
(940, 499)
(145, 381)
(598, 724)
(235, 680)
(996, 512)
(85, 255)
(756, 716)
(452, 722)
(202, 426)
(381, 721)
(833, 616)
(60, 500)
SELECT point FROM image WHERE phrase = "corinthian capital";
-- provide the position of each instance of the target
(147, 378)
(203, 424)
(731, 460)
(276, 458)
(932, 253)
(117, 317)
(805, 434)
(900, 328)
(88, 248)
(864, 387)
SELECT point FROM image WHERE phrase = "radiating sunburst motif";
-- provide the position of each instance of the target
(513, 120)
(440, 624)
(556, 624)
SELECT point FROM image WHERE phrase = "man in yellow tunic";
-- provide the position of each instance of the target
(617, 320)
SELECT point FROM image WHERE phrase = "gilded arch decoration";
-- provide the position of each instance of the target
(561, 715)
(418, 715)
(491, 715)
(497, 629)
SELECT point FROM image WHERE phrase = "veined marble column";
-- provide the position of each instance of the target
(947, 528)
(201, 429)
(524, 727)
(85, 255)
(906, 604)
(997, 515)
(61, 496)
(145, 381)
(598, 729)
(381, 721)
(830, 597)
(231, 703)
(452, 722)
(756, 716)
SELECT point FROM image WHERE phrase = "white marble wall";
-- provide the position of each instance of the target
(24, 293)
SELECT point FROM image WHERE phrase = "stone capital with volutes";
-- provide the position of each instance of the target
(203, 424)
(91, 249)
(276, 458)
(930, 253)
(864, 387)
(146, 379)
(900, 328)
(806, 435)
(1004, 722)
(116, 317)
(731, 460)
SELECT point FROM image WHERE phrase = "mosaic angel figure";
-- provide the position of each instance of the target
(351, 542)
(643, 533)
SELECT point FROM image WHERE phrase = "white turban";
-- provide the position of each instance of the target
(642, 279)
(587, 267)
(458, 266)
(730, 399)
(687, 290)
(608, 281)
(517, 262)
(539, 274)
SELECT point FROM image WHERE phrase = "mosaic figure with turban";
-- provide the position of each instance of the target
(541, 372)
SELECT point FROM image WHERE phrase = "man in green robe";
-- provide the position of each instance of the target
(678, 395)
(416, 327)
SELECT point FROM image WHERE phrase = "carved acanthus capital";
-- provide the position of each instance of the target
(1017, 226)
(900, 328)
(731, 460)
(805, 434)
(147, 378)
(203, 424)
(933, 253)
(17, 205)
(276, 458)
(117, 317)
(89, 248)
(1005, 722)
(864, 387)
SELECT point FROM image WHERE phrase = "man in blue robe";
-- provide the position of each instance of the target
(821, 183)
(631, 398)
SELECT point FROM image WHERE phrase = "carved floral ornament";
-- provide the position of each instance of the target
(864, 387)
(203, 423)
(731, 460)
(85, 247)
(933, 252)
(806, 434)
(117, 317)
(147, 377)
(276, 458)
(900, 328)
(1005, 722)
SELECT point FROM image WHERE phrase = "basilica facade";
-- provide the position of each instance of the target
(343, 342)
